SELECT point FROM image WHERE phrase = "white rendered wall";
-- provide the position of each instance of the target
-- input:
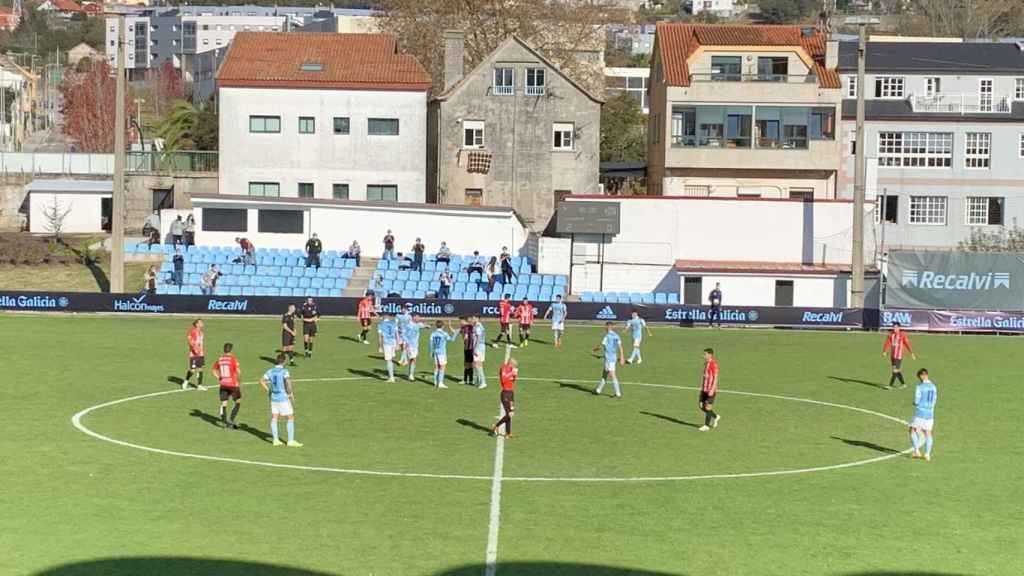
(337, 225)
(750, 290)
(323, 158)
(83, 212)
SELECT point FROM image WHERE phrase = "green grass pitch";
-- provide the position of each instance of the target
(77, 505)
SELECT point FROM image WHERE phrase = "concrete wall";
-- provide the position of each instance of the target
(730, 187)
(1004, 179)
(82, 212)
(751, 290)
(337, 225)
(525, 169)
(12, 198)
(323, 158)
(139, 193)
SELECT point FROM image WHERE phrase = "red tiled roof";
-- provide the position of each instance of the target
(350, 62)
(677, 42)
(66, 5)
(750, 267)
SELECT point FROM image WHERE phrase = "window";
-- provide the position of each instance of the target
(822, 124)
(851, 86)
(225, 220)
(280, 221)
(272, 189)
(932, 86)
(635, 86)
(805, 194)
(726, 68)
(504, 81)
(1020, 145)
(983, 211)
(339, 191)
(783, 292)
(1018, 91)
(382, 127)
(930, 210)
(264, 124)
(684, 126)
(772, 68)
(563, 134)
(915, 149)
(737, 127)
(985, 95)
(306, 190)
(382, 193)
(473, 131)
(535, 81)
(978, 150)
(341, 125)
(888, 209)
(787, 127)
(474, 197)
(307, 125)
(889, 87)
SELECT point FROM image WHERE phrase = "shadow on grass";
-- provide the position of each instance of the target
(473, 425)
(855, 381)
(375, 374)
(670, 419)
(866, 444)
(269, 360)
(576, 387)
(215, 421)
(350, 339)
(182, 566)
(176, 380)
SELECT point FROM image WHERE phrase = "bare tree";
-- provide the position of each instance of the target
(968, 19)
(570, 33)
(55, 214)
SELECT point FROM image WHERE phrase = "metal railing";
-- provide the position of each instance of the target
(172, 162)
(767, 78)
(961, 104)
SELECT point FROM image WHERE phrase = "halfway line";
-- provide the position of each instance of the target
(491, 561)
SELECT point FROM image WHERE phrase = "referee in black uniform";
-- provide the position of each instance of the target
(288, 334)
(310, 319)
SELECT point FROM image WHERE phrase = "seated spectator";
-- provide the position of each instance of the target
(190, 230)
(313, 249)
(353, 252)
(209, 281)
(477, 265)
(445, 291)
(248, 251)
(152, 224)
(154, 237)
(149, 281)
(444, 254)
(404, 262)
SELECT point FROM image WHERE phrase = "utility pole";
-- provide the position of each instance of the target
(117, 195)
(860, 168)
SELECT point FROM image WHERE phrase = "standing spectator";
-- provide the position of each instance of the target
(444, 254)
(417, 255)
(378, 290)
(190, 230)
(389, 246)
(248, 251)
(353, 252)
(506, 267)
(715, 299)
(313, 249)
(149, 281)
(209, 282)
(445, 292)
(477, 265)
(177, 230)
(150, 226)
(492, 272)
(179, 267)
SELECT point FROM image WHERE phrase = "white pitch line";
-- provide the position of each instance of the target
(491, 560)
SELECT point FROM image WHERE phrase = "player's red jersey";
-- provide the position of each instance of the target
(508, 375)
(226, 369)
(195, 343)
(525, 313)
(898, 344)
(710, 384)
(505, 311)
(365, 308)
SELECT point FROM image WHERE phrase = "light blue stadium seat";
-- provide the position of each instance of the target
(587, 296)
(673, 298)
(429, 266)
(407, 293)
(279, 282)
(273, 291)
(548, 280)
(347, 273)
(323, 293)
(648, 298)
(303, 282)
(316, 283)
(434, 286)
(462, 277)
(660, 298)
(350, 263)
(423, 286)
(382, 265)
(419, 294)
(341, 284)
(390, 275)
(393, 264)
(403, 275)
(291, 282)
(334, 273)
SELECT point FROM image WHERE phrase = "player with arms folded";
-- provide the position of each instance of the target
(228, 371)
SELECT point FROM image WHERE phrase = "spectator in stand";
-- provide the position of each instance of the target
(445, 292)
(313, 249)
(179, 267)
(209, 281)
(506, 267)
(477, 265)
(177, 230)
(378, 290)
(151, 228)
(389, 246)
(492, 271)
(354, 251)
(444, 254)
(248, 251)
(149, 281)
(417, 255)
(190, 230)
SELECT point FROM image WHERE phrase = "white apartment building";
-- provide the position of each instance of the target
(723, 8)
(336, 116)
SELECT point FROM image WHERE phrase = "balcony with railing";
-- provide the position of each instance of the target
(184, 161)
(961, 104)
(764, 78)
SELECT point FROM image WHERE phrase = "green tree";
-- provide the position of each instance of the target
(205, 131)
(623, 130)
(177, 126)
(784, 11)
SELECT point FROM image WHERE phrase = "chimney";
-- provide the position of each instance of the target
(454, 57)
(831, 54)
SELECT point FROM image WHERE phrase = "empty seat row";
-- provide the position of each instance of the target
(631, 297)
